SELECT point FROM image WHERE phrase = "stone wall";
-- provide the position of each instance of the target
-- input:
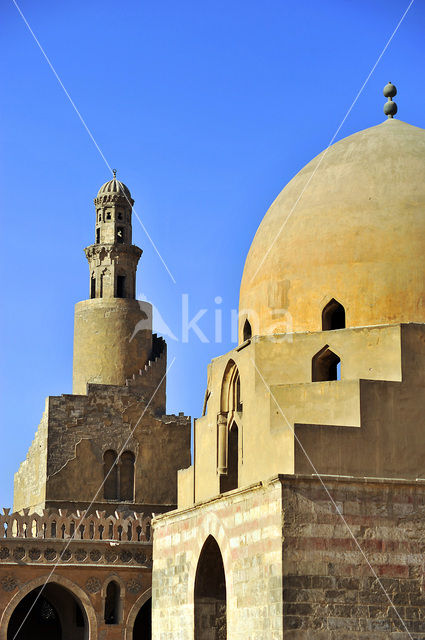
(30, 479)
(51, 546)
(292, 568)
(247, 525)
(81, 428)
(330, 591)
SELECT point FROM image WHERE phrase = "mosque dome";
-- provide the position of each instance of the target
(350, 226)
(114, 186)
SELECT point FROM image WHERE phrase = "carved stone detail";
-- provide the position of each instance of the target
(93, 585)
(9, 583)
(134, 586)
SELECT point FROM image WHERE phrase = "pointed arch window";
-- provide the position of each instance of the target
(127, 476)
(112, 603)
(333, 316)
(228, 430)
(247, 331)
(110, 474)
(231, 480)
(326, 366)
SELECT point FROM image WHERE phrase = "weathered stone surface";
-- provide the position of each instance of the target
(293, 569)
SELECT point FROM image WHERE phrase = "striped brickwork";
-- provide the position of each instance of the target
(247, 526)
(330, 591)
(293, 570)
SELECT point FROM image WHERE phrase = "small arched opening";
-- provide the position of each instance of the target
(326, 365)
(210, 594)
(127, 476)
(121, 287)
(49, 613)
(110, 471)
(112, 603)
(247, 331)
(93, 287)
(142, 629)
(333, 316)
(230, 481)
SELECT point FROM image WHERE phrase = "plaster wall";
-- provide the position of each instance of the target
(278, 396)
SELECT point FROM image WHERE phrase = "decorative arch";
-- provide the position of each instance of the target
(226, 398)
(131, 618)
(333, 316)
(228, 423)
(325, 365)
(113, 577)
(74, 589)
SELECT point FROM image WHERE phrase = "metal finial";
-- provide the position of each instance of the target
(114, 171)
(390, 107)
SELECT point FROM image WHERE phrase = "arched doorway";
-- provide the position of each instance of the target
(142, 629)
(210, 594)
(52, 613)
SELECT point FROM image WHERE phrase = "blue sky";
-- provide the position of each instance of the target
(207, 110)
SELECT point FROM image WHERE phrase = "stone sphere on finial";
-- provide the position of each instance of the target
(390, 108)
(390, 90)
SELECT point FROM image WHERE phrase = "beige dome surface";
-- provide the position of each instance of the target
(356, 234)
(114, 186)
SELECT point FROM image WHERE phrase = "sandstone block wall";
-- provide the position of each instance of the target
(79, 429)
(330, 592)
(247, 526)
(30, 479)
(292, 568)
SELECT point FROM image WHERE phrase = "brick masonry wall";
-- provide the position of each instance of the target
(293, 570)
(247, 526)
(330, 592)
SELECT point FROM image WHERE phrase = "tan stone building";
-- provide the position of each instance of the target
(303, 513)
(103, 460)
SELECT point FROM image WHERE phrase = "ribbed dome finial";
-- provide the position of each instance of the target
(390, 107)
(114, 186)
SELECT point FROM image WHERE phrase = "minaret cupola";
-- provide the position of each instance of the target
(113, 258)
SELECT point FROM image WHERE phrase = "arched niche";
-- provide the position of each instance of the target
(247, 330)
(210, 598)
(333, 316)
(325, 366)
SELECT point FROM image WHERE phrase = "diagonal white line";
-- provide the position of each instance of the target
(90, 134)
(93, 500)
(331, 498)
(332, 140)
